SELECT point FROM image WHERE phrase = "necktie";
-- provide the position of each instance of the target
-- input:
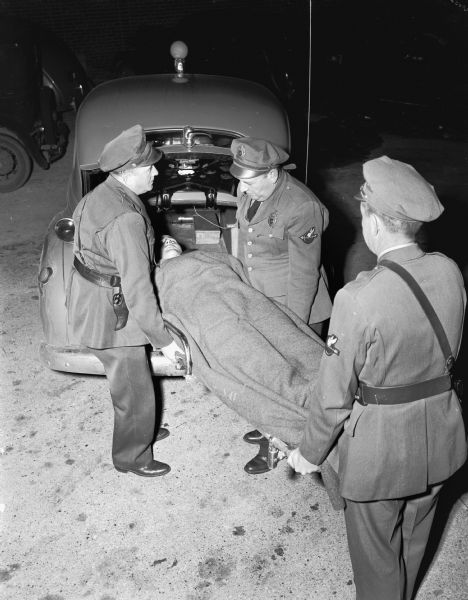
(252, 210)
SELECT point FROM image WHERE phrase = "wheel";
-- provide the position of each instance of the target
(15, 164)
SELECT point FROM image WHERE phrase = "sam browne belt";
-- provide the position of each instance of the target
(107, 281)
(400, 394)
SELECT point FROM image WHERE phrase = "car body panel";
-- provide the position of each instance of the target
(165, 105)
(169, 102)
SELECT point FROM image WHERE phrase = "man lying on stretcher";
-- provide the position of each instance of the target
(259, 358)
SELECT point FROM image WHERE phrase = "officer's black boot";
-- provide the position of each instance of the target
(259, 463)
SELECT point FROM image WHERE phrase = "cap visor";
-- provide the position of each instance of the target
(153, 157)
(244, 173)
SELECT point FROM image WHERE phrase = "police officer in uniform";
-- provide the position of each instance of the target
(280, 225)
(112, 306)
(384, 409)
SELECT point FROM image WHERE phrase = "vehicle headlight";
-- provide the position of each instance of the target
(65, 229)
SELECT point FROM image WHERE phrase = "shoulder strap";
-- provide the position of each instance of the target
(427, 308)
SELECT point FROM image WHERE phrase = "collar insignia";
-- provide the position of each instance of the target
(330, 347)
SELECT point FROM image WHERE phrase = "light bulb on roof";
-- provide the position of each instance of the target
(179, 49)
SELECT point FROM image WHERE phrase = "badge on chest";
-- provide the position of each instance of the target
(273, 218)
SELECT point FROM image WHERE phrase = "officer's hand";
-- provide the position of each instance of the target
(300, 464)
(170, 352)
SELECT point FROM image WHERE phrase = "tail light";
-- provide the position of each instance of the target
(65, 229)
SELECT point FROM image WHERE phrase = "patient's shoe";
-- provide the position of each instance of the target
(259, 463)
(254, 437)
(170, 248)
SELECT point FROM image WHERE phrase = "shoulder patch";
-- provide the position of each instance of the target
(330, 345)
(309, 236)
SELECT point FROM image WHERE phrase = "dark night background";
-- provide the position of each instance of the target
(401, 63)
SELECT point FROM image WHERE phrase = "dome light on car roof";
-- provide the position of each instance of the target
(179, 51)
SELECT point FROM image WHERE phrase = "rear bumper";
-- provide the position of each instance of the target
(77, 359)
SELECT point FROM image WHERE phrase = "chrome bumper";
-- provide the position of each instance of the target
(78, 359)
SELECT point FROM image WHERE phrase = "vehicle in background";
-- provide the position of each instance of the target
(62, 72)
(40, 79)
(192, 119)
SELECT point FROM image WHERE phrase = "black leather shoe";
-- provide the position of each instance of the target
(254, 437)
(163, 433)
(259, 463)
(154, 469)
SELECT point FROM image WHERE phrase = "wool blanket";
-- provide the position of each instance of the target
(253, 353)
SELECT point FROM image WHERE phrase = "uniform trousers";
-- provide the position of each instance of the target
(132, 392)
(386, 541)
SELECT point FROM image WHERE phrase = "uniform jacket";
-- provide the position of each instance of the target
(385, 339)
(113, 235)
(281, 248)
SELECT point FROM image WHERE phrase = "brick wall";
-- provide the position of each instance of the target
(97, 30)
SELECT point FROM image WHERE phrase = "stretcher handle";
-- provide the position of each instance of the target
(277, 450)
(184, 361)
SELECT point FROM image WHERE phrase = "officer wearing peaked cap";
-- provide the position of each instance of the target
(128, 150)
(280, 225)
(397, 190)
(112, 307)
(385, 409)
(280, 228)
(253, 157)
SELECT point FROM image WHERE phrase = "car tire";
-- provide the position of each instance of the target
(15, 164)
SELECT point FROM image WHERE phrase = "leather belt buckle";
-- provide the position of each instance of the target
(358, 397)
(117, 299)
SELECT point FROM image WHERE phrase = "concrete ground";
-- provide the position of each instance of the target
(73, 527)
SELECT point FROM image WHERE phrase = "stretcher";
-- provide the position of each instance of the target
(277, 449)
(255, 355)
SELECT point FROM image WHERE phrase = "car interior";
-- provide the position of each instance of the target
(194, 195)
